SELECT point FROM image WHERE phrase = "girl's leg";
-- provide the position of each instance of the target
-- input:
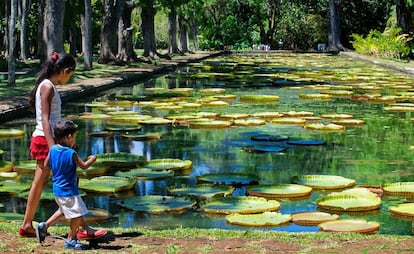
(39, 182)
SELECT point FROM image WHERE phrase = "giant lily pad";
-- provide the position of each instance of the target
(25, 167)
(228, 178)
(145, 174)
(269, 137)
(9, 176)
(348, 122)
(324, 181)
(203, 191)
(324, 127)
(143, 137)
(312, 218)
(242, 205)
(47, 194)
(405, 210)
(288, 120)
(157, 204)
(357, 199)
(259, 98)
(264, 149)
(121, 159)
(168, 164)
(94, 170)
(6, 166)
(249, 122)
(279, 190)
(107, 184)
(13, 187)
(11, 217)
(265, 219)
(399, 189)
(349, 225)
(306, 142)
(11, 133)
(210, 124)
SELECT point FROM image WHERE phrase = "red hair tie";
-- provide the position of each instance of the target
(55, 56)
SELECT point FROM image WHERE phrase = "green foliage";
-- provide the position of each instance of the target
(389, 44)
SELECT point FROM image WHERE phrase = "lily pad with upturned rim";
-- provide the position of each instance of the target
(11, 133)
(25, 167)
(168, 164)
(279, 190)
(264, 149)
(210, 124)
(121, 159)
(202, 191)
(259, 98)
(265, 219)
(399, 189)
(12, 187)
(269, 137)
(324, 181)
(94, 170)
(47, 194)
(306, 142)
(157, 204)
(11, 216)
(6, 166)
(405, 210)
(228, 179)
(353, 200)
(312, 218)
(107, 184)
(324, 127)
(350, 225)
(9, 176)
(241, 205)
(145, 174)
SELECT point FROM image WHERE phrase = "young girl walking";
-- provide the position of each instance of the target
(46, 103)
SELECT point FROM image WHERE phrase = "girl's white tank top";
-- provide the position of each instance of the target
(55, 109)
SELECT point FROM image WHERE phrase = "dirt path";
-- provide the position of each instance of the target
(138, 243)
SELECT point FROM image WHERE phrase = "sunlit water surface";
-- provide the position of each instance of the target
(373, 154)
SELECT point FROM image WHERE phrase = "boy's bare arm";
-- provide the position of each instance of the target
(84, 164)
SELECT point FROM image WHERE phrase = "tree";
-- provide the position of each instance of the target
(54, 13)
(148, 12)
(24, 37)
(112, 10)
(86, 30)
(11, 57)
(126, 51)
(334, 26)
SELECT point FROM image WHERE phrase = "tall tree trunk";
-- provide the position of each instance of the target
(109, 39)
(41, 45)
(182, 34)
(334, 35)
(404, 14)
(194, 30)
(24, 37)
(172, 31)
(86, 30)
(73, 35)
(11, 57)
(53, 26)
(126, 52)
(148, 30)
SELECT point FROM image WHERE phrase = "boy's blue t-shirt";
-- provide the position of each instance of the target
(64, 178)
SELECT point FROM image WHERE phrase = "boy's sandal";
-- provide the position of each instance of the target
(41, 232)
(96, 234)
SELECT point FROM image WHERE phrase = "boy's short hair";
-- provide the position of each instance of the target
(64, 128)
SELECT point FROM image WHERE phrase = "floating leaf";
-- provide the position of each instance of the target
(264, 149)
(312, 218)
(121, 159)
(259, 98)
(9, 176)
(228, 178)
(306, 142)
(324, 127)
(279, 190)
(11, 133)
(91, 116)
(399, 189)
(11, 217)
(101, 134)
(13, 187)
(157, 204)
(6, 166)
(210, 124)
(202, 191)
(143, 137)
(168, 164)
(94, 170)
(289, 120)
(25, 167)
(356, 226)
(324, 181)
(107, 184)
(47, 194)
(242, 205)
(145, 174)
(357, 199)
(269, 137)
(405, 210)
(249, 122)
(265, 219)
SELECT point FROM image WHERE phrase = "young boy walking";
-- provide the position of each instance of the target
(63, 161)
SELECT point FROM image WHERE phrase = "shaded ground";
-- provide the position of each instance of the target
(137, 243)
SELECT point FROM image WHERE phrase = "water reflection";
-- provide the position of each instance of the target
(373, 154)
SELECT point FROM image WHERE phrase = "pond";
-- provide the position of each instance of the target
(373, 151)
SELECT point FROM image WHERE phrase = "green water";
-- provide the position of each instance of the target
(372, 154)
